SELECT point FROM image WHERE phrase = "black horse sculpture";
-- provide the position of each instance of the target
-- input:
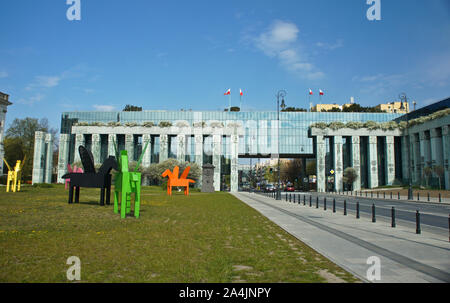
(91, 178)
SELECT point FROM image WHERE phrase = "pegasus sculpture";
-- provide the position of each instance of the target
(126, 183)
(175, 181)
(14, 175)
(75, 169)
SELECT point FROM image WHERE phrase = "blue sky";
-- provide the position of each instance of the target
(185, 54)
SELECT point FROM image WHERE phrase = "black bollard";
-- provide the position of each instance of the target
(428, 196)
(334, 205)
(391, 195)
(310, 199)
(371, 194)
(417, 222)
(317, 202)
(345, 207)
(384, 195)
(440, 198)
(398, 195)
(357, 210)
(393, 217)
(290, 197)
(378, 194)
(324, 203)
(366, 194)
(286, 197)
(373, 213)
(418, 198)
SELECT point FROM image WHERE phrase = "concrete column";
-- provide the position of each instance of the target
(79, 140)
(405, 158)
(422, 147)
(96, 146)
(446, 154)
(437, 158)
(373, 162)
(415, 158)
(146, 159)
(129, 146)
(356, 162)
(63, 156)
(48, 158)
(234, 163)
(163, 147)
(199, 154)
(181, 148)
(217, 148)
(112, 138)
(338, 163)
(38, 157)
(320, 163)
(390, 160)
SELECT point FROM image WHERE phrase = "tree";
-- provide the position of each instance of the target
(291, 170)
(132, 108)
(19, 140)
(427, 171)
(293, 109)
(311, 168)
(154, 171)
(349, 176)
(439, 171)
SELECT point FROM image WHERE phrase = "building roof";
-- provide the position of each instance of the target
(4, 99)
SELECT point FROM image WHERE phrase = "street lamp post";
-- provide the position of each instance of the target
(404, 99)
(281, 94)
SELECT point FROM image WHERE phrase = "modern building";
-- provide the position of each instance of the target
(375, 144)
(218, 138)
(4, 103)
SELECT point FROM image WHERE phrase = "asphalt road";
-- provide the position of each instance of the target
(436, 215)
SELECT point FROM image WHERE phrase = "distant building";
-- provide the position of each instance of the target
(325, 107)
(394, 107)
(4, 102)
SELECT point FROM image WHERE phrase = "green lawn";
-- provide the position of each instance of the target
(200, 238)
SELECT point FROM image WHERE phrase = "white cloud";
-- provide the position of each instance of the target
(280, 41)
(104, 108)
(338, 44)
(44, 82)
(3, 74)
(31, 100)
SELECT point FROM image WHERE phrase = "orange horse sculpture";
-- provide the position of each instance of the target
(175, 181)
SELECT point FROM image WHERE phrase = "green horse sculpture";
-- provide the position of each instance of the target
(126, 183)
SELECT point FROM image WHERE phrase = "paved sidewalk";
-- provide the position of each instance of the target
(349, 242)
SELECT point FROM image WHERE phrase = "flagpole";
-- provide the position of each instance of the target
(229, 102)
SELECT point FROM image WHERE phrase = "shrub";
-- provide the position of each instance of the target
(336, 125)
(165, 124)
(148, 124)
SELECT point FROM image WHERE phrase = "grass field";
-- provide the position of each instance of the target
(200, 238)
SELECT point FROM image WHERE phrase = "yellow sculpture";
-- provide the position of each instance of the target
(14, 175)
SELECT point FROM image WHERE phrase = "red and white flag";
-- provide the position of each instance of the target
(310, 92)
(240, 92)
(320, 92)
(228, 92)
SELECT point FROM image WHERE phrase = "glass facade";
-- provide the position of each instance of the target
(261, 133)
